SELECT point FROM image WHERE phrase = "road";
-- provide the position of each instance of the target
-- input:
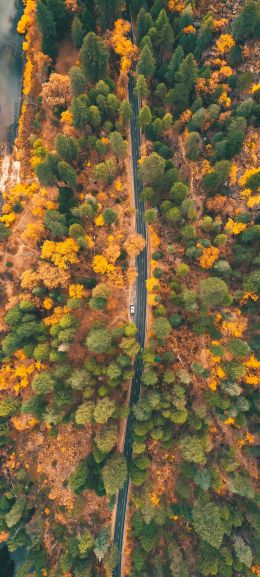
(140, 319)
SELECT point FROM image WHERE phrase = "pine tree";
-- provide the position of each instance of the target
(108, 12)
(146, 64)
(94, 57)
(77, 32)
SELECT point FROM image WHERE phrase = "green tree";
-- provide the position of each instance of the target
(104, 410)
(77, 80)
(108, 12)
(161, 328)
(43, 383)
(114, 474)
(150, 215)
(47, 171)
(85, 543)
(55, 221)
(94, 116)
(125, 112)
(15, 513)
(247, 24)
(213, 292)
(110, 216)
(94, 57)
(193, 145)
(142, 89)
(84, 413)
(99, 341)
(151, 168)
(144, 116)
(193, 449)
(67, 147)
(146, 63)
(178, 192)
(174, 64)
(144, 22)
(8, 407)
(118, 145)
(208, 523)
(77, 32)
(187, 73)
(67, 174)
(105, 439)
(78, 479)
(102, 543)
(47, 26)
(243, 551)
(80, 111)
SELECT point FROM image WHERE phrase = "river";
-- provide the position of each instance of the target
(11, 65)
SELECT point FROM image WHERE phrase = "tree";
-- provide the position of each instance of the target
(78, 479)
(47, 171)
(144, 116)
(8, 407)
(247, 24)
(187, 73)
(150, 215)
(56, 223)
(141, 88)
(114, 474)
(193, 145)
(146, 63)
(15, 514)
(213, 292)
(193, 449)
(77, 32)
(104, 410)
(80, 111)
(178, 192)
(105, 439)
(110, 216)
(102, 543)
(174, 64)
(43, 383)
(56, 92)
(67, 147)
(108, 12)
(243, 551)
(144, 22)
(77, 80)
(161, 328)
(99, 341)
(125, 112)
(85, 543)
(178, 565)
(94, 57)
(47, 26)
(151, 167)
(67, 174)
(208, 523)
(84, 413)
(118, 145)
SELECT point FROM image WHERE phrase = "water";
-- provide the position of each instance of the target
(10, 69)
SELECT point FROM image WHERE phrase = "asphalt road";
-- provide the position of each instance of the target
(140, 319)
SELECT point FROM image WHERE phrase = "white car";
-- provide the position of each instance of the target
(132, 309)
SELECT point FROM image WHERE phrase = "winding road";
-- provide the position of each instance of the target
(141, 297)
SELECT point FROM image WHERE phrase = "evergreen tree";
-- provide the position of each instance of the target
(146, 63)
(108, 12)
(77, 32)
(77, 80)
(144, 22)
(94, 57)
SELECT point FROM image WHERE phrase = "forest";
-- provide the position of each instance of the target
(70, 259)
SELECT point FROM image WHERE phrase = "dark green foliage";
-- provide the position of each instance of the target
(208, 524)
(247, 25)
(56, 223)
(77, 32)
(146, 63)
(108, 12)
(94, 57)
